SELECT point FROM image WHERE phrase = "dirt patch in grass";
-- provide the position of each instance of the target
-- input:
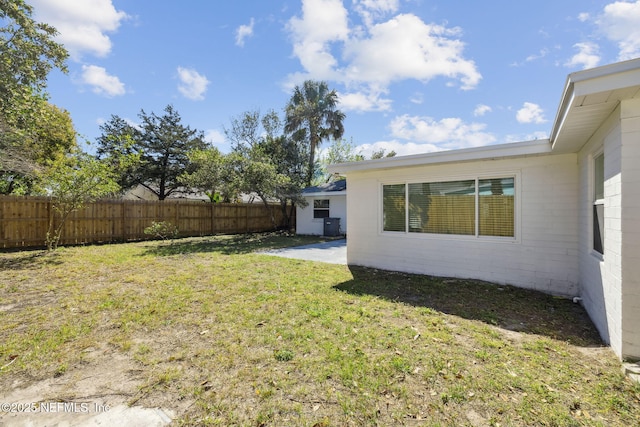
(219, 335)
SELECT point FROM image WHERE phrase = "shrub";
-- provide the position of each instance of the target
(162, 230)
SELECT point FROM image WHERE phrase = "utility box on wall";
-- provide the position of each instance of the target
(332, 227)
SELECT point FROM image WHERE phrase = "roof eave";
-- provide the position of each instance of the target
(325, 193)
(517, 149)
(607, 78)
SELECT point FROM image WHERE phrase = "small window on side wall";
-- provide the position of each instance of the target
(598, 203)
(321, 208)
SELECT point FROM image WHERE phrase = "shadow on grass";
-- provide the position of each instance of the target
(24, 259)
(507, 307)
(229, 244)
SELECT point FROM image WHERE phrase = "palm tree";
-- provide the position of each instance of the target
(313, 110)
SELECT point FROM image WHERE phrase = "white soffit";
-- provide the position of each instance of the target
(589, 97)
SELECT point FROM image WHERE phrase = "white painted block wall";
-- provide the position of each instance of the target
(600, 276)
(544, 255)
(630, 228)
(307, 224)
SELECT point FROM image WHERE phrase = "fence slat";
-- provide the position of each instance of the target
(24, 220)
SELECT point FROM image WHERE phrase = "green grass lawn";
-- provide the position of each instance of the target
(224, 336)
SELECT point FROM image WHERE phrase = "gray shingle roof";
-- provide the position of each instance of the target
(340, 185)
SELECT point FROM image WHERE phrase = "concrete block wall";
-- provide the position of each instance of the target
(630, 229)
(543, 256)
(600, 275)
(307, 224)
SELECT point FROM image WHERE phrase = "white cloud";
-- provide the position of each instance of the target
(587, 56)
(526, 137)
(530, 113)
(244, 31)
(217, 139)
(620, 22)
(371, 10)
(102, 82)
(417, 98)
(193, 85)
(368, 60)
(584, 17)
(214, 136)
(534, 57)
(133, 123)
(407, 48)
(481, 110)
(83, 25)
(447, 133)
(401, 148)
(363, 102)
(323, 22)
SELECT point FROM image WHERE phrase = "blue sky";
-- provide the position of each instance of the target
(413, 76)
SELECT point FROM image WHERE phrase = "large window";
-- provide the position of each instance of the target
(442, 207)
(480, 207)
(598, 203)
(321, 208)
(393, 207)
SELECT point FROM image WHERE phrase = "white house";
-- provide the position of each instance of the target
(324, 201)
(560, 215)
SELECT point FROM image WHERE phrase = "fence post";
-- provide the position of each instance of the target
(212, 210)
(176, 217)
(124, 221)
(2, 216)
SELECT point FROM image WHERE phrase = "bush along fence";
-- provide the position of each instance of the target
(24, 221)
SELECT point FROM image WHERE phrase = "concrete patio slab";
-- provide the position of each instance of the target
(332, 252)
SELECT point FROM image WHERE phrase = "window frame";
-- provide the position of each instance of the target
(595, 203)
(321, 209)
(515, 175)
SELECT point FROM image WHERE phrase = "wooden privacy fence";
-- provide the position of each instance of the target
(24, 221)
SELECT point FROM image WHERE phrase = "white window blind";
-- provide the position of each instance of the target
(394, 207)
(475, 207)
(496, 208)
(442, 207)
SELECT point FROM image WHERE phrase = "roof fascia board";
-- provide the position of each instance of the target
(517, 149)
(608, 82)
(605, 70)
(568, 95)
(325, 193)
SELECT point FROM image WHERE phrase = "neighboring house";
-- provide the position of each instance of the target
(560, 215)
(140, 192)
(324, 201)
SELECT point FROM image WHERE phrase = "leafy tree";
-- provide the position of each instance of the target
(32, 131)
(163, 144)
(27, 55)
(312, 111)
(212, 173)
(381, 153)
(288, 155)
(255, 175)
(340, 151)
(266, 162)
(23, 153)
(71, 182)
(117, 147)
